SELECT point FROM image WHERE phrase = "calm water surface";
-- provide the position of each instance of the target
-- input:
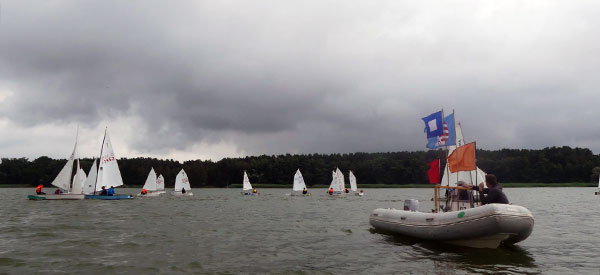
(220, 231)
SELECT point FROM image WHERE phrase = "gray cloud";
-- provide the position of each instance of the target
(318, 76)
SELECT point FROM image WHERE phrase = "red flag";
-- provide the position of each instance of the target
(463, 158)
(434, 171)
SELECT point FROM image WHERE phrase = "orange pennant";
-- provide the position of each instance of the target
(463, 158)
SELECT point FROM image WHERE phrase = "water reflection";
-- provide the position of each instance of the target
(506, 258)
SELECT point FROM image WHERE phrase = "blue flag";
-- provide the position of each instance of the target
(447, 137)
(434, 124)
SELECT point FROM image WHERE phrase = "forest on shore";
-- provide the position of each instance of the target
(548, 165)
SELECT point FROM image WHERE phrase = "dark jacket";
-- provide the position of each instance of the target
(494, 195)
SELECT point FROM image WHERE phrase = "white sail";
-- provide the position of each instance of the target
(88, 186)
(352, 179)
(299, 184)
(108, 173)
(246, 184)
(182, 182)
(160, 183)
(78, 181)
(150, 184)
(63, 179)
(341, 182)
(334, 180)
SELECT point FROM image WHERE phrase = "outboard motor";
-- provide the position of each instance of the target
(411, 205)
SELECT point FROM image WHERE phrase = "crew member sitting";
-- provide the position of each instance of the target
(362, 192)
(38, 190)
(492, 194)
(182, 190)
(103, 192)
(254, 191)
(346, 190)
(57, 191)
(305, 191)
(144, 191)
(331, 191)
(111, 191)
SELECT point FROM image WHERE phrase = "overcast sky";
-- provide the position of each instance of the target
(213, 79)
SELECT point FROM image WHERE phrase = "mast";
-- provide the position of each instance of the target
(77, 158)
(99, 162)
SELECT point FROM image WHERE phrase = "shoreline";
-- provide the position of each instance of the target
(262, 186)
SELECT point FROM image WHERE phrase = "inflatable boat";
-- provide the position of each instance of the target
(486, 226)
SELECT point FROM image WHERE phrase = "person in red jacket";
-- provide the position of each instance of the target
(38, 190)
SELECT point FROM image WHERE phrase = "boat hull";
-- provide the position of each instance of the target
(57, 197)
(486, 226)
(249, 193)
(179, 194)
(149, 194)
(113, 197)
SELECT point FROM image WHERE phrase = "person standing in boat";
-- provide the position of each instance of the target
(493, 193)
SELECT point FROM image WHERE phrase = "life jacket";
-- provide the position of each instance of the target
(38, 189)
(144, 192)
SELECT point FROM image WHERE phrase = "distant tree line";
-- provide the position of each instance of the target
(549, 165)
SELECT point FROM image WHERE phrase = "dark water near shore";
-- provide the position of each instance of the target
(220, 231)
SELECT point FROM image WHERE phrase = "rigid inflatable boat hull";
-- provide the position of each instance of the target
(485, 226)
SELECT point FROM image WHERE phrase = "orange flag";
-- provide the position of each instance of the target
(463, 158)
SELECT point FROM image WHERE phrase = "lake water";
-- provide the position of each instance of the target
(218, 230)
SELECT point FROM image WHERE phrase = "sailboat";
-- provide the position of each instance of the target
(150, 185)
(337, 183)
(88, 185)
(182, 185)
(64, 179)
(247, 187)
(299, 185)
(353, 186)
(108, 174)
(160, 185)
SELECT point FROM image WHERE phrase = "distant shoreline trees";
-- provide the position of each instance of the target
(548, 165)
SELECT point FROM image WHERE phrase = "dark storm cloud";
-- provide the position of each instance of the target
(275, 77)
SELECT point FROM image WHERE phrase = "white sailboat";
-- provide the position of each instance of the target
(109, 175)
(336, 187)
(353, 186)
(299, 185)
(63, 181)
(78, 181)
(160, 184)
(182, 185)
(88, 185)
(150, 185)
(247, 187)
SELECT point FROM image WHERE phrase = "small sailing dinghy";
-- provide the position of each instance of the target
(107, 175)
(64, 180)
(150, 185)
(160, 185)
(336, 187)
(247, 187)
(353, 186)
(299, 187)
(470, 225)
(182, 185)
